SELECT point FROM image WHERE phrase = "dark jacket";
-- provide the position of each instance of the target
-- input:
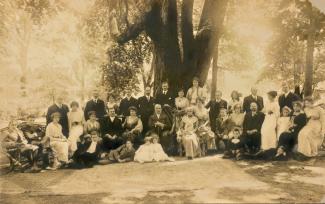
(163, 99)
(287, 101)
(299, 121)
(64, 117)
(253, 122)
(163, 119)
(98, 107)
(250, 99)
(121, 153)
(214, 110)
(126, 104)
(146, 109)
(112, 127)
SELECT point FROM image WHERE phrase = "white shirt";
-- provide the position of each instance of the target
(112, 118)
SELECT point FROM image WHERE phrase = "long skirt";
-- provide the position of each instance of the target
(191, 145)
(310, 138)
(268, 132)
(75, 132)
(60, 150)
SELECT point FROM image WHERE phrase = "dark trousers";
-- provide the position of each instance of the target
(253, 142)
(287, 140)
(85, 158)
(108, 144)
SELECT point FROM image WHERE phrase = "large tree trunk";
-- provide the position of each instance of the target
(160, 24)
(308, 90)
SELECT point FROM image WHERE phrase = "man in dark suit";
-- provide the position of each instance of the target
(160, 124)
(63, 109)
(127, 102)
(97, 105)
(112, 131)
(214, 107)
(164, 97)
(287, 97)
(146, 107)
(252, 126)
(253, 98)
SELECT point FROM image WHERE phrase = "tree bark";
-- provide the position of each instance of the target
(308, 89)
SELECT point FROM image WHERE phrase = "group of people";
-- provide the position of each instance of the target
(151, 129)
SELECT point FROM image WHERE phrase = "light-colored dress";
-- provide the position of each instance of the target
(159, 154)
(238, 119)
(144, 153)
(283, 125)
(76, 120)
(311, 136)
(181, 103)
(188, 134)
(268, 131)
(194, 94)
(204, 131)
(132, 123)
(91, 126)
(58, 142)
(12, 137)
(232, 103)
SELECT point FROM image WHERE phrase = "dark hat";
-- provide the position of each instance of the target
(272, 93)
(90, 113)
(55, 114)
(133, 108)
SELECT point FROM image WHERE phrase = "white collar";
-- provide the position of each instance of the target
(59, 105)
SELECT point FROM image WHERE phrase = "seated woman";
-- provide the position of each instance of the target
(283, 122)
(57, 141)
(124, 153)
(92, 123)
(288, 139)
(237, 117)
(234, 101)
(187, 134)
(158, 152)
(311, 136)
(76, 121)
(88, 152)
(14, 138)
(145, 151)
(133, 127)
(205, 134)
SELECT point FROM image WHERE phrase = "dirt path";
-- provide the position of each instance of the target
(205, 180)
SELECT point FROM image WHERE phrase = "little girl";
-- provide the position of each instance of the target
(158, 152)
(145, 152)
(283, 122)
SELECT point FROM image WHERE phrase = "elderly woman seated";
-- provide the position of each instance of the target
(187, 134)
(57, 142)
(15, 139)
(133, 127)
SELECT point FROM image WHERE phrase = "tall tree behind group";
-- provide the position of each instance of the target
(296, 50)
(179, 52)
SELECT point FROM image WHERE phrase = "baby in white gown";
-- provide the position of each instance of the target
(145, 152)
(158, 152)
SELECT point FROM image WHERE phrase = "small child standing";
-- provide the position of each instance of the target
(283, 122)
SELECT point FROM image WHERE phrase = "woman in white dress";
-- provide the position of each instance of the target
(284, 122)
(145, 152)
(268, 131)
(76, 122)
(195, 93)
(57, 141)
(158, 152)
(187, 133)
(311, 136)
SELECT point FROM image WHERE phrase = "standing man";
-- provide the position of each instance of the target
(95, 104)
(253, 98)
(146, 107)
(252, 126)
(164, 97)
(63, 109)
(287, 97)
(214, 107)
(127, 102)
